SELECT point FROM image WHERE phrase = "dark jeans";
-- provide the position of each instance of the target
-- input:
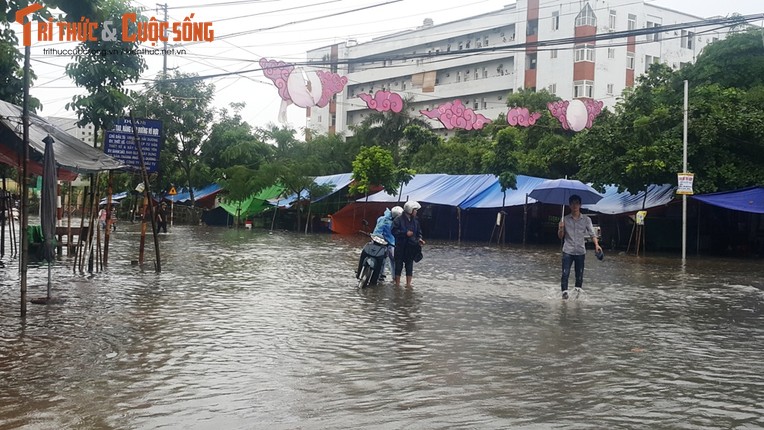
(403, 259)
(567, 261)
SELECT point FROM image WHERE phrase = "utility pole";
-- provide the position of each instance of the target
(684, 167)
(164, 43)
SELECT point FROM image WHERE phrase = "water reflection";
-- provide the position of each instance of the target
(246, 329)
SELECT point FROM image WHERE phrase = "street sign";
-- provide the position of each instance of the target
(120, 142)
(684, 181)
(172, 191)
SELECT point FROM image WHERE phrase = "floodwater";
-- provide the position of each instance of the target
(243, 329)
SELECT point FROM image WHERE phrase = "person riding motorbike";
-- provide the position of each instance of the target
(384, 228)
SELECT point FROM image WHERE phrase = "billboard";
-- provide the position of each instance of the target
(120, 142)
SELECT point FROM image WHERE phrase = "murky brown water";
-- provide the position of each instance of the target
(249, 330)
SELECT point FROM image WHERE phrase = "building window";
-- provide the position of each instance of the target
(553, 53)
(653, 37)
(553, 89)
(611, 20)
(530, 61)
(483, 103)
(630, 60)
(485, 72)
(475, 104)
(586, 17)
(485, 40)
(611, 53)
(687, 39)
(583, 89)
(555, 21)
(649, 59)
(533, 27)
(585, 53)
(610, 89)
(458, 76)
(632, 22)
(477, 75)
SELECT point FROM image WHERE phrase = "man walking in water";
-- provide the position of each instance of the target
(574, 228)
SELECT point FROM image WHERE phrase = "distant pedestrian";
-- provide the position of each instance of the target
(574, 228)
(102, 218)
(162, 217)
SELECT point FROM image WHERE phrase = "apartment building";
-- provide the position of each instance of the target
(539, 44)
(70, 126)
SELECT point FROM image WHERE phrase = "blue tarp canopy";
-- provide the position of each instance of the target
(439, 189)
(614, 203)
(338, 181)
(492, 196)
(184, 195)
(744, 200)
(484, 192)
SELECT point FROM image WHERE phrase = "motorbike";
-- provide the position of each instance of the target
(371, 261)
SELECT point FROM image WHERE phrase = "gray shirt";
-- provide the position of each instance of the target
(575, 232)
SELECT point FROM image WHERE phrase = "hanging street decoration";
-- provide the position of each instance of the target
(522, 117)
(575, 114)
(383, 101)
(456, 115)
(304, 88)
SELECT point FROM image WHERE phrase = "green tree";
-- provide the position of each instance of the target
(735, 62)
(182, 103)
(104, 75)
(374, 166)
(641, 144)
(232, 154)
(387, 129)
(11, 59)
(547, 149)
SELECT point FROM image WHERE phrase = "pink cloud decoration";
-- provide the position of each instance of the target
(278, 72)
(456, 115)
(383, 101)
(575, 114)
(304, 88)
(522, 117)
(331, 84)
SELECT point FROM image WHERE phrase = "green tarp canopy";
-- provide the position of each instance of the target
(254, 204)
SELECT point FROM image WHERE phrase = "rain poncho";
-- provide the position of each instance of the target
(384, 227)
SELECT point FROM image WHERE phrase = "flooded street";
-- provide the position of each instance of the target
(243, 329)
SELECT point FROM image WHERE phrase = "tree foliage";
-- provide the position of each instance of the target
(103, 68)
(183, 105)
(374, 166)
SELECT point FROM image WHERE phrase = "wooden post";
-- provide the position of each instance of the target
(147, 195)
(107, 232)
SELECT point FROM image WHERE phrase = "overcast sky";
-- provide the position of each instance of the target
(290, 42)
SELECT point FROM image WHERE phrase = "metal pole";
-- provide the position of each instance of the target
(24, 215)
(684, 170)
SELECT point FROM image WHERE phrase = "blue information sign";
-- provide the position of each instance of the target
(120, 142)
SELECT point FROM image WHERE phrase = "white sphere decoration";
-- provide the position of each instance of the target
(297, 85)
(577, 115)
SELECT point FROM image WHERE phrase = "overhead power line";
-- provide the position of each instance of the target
(722, 22)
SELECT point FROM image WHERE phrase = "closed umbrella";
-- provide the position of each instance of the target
(48, 205)
(558, 192)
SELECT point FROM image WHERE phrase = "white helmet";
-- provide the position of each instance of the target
(411, 206)
(396, 211)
